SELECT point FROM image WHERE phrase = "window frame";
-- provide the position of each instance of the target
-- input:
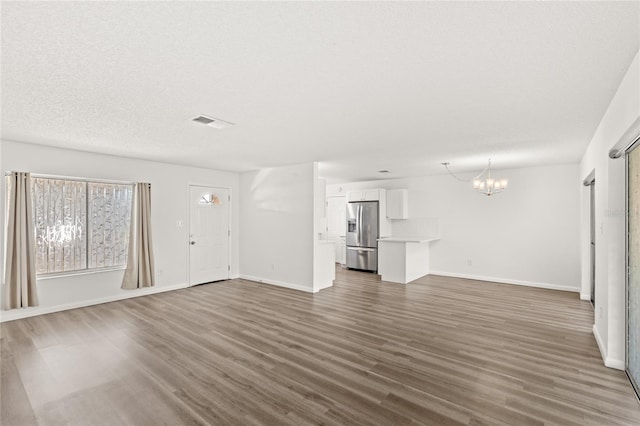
(87, 270)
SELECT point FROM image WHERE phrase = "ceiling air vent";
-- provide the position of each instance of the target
(216, 123)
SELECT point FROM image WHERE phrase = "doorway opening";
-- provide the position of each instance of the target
(592, 239)
(590, 182)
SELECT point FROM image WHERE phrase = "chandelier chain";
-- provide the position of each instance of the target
(446, 166)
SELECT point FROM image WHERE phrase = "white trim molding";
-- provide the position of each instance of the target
(603, 352)
(508, 281)
(585, 296)
(614, 363)
(608, 361)
(15, 314)
(323, 287)
(277, 283)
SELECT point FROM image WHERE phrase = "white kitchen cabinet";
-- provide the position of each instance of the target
(365, 195)
(402, 260)
(354, 196)
(324, 265)
(341, 251)
(336, 217)
(397, 204)
(371, 194)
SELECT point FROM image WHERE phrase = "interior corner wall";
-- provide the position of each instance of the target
(610, 215)
(277, 216)
(3, 224)
(169, 204)
(527, 235)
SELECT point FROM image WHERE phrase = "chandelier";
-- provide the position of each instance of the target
(487, 185)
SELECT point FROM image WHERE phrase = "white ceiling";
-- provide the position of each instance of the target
(357, 86)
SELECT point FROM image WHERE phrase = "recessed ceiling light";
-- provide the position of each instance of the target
(384, 171)
(216, 123)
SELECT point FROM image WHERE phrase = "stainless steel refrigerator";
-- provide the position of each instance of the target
(362, 235)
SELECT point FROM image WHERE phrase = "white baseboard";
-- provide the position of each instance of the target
(15, 314)
(617, 364)
(614, 363)
(585, 296)
(507, 281)
(234, 276)
(323, 287)
(277, 283)
(603, 352)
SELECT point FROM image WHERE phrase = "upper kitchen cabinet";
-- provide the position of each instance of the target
(366, 195)
(397, 204)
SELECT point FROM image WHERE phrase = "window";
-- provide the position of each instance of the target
(80, 225)
(209, 199)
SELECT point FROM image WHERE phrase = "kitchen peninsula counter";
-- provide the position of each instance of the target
(403, 259)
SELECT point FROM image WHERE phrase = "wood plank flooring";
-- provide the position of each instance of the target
(439, 351)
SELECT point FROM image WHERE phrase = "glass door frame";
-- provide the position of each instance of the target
(636, 386)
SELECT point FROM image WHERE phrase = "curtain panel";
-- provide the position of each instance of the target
(140, 263)
(20, 273)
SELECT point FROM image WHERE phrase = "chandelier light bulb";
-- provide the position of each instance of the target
(489, 185)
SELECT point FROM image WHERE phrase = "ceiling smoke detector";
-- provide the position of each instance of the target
(216, 123)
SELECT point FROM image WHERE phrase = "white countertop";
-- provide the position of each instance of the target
(408, 239)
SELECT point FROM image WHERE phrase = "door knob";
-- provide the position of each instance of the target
(192, 242)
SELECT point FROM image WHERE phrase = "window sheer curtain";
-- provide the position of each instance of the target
(140, 270)
(20, 272)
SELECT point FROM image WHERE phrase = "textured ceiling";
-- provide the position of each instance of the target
(357, 86)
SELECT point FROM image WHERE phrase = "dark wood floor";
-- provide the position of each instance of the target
(439, 351)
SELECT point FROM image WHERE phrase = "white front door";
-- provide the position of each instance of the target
(208, 234)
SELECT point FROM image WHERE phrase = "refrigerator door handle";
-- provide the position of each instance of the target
(361, 249)
(360, 224)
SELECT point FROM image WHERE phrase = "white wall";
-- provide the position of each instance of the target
(323, 253)
(623, 110)
(525, 235)
(169, 204)
(278, 225)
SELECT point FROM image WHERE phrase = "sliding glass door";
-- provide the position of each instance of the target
(633, 259)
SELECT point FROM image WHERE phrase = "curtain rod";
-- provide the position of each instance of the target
(630, 137)
(75, 178)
